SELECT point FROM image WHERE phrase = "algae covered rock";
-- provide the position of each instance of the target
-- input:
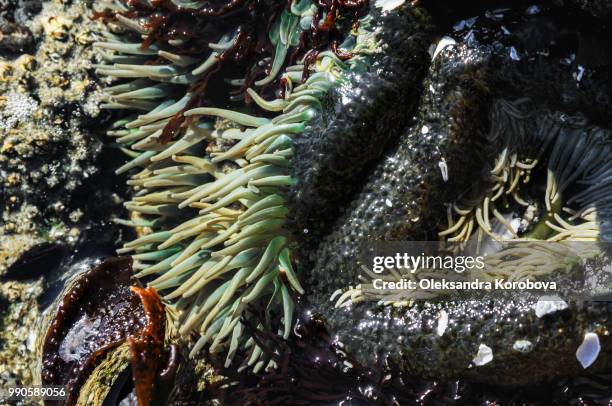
(53, 182)
(50, 145)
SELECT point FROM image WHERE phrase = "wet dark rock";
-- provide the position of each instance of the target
(598, 8)
(499, 324)
(39, 260)
(121, 390)
(315, 368)
(554, 57)
(362, 114)
(539, 56)
(15, 36)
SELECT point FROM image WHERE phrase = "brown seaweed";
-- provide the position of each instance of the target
(147, 347)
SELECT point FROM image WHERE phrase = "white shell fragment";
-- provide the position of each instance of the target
(442, 323)
(484, 355)
(515, 224)
(588, 351)
(548, 305)
(465, 23)
(388, 5)
(532, 10)
(580, 73)
(444, 170)
(443, 43)
(514, 54)
(523, 346)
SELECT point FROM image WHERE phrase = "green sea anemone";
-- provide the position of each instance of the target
(572, 156)
(209, 182)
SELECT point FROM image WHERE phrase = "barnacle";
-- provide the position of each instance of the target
(211, 179)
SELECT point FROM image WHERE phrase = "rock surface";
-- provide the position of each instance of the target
(498, 55)
(54, 166)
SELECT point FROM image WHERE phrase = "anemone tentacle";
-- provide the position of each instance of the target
(576, 160)
(212, 198)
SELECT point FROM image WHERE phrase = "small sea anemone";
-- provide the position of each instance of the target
(210, 181)
(573, 155)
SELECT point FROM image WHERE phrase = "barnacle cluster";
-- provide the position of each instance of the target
(209, 176)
